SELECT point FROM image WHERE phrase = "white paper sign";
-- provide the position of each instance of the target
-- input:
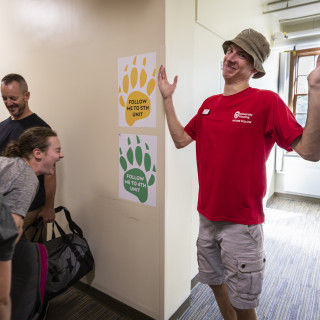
(136, 90)
(137, 169)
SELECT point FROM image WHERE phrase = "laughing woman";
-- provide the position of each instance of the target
(35, 153)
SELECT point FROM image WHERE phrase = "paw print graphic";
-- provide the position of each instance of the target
(135, 91)
(140, 177)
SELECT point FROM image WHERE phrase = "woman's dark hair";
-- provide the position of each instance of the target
(33, 138)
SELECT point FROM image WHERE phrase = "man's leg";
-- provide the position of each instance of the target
(211, 270)
(249, 314)
(243, 260)
(227, 310)
(219, 246)
(223, 301)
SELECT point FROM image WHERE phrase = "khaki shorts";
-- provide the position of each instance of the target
(232, 254)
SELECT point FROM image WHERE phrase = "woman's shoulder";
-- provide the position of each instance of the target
(15, 163)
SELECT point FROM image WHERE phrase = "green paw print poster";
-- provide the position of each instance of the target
(136, 90)
(138, 168)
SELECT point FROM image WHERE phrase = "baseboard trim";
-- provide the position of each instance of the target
(186, 304)
(110, 302)
(295, 197)
(194, 281)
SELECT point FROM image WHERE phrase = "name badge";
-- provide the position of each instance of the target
(206, 111)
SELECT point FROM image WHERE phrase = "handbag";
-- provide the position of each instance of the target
(69, 257)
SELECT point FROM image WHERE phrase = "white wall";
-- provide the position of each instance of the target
(67, 50)
(179, 43)
(194, 52)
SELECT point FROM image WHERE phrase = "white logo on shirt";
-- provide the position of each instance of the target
(242, 117)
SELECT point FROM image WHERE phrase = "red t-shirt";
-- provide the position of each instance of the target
(234, 136)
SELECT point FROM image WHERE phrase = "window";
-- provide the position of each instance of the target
(302, 62)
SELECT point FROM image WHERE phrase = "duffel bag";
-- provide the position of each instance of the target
(69, 257)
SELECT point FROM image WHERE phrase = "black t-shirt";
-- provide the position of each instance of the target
(10, 130)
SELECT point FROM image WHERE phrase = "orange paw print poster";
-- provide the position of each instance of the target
(136, 90)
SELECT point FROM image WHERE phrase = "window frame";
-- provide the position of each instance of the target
(294, 55)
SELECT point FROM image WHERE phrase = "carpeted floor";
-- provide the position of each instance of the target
(291, 288)
(76, 305)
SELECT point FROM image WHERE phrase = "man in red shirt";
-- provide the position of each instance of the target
(243, 123)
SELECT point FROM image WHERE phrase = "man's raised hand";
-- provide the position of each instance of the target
(167, 89)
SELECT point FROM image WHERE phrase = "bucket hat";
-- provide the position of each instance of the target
(255, 44)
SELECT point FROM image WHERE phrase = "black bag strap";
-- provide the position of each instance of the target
(53, 234)
(74, 228)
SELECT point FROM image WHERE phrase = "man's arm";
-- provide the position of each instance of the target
(5, 285)
(308, 144)
(47, 213)
(179, 136)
